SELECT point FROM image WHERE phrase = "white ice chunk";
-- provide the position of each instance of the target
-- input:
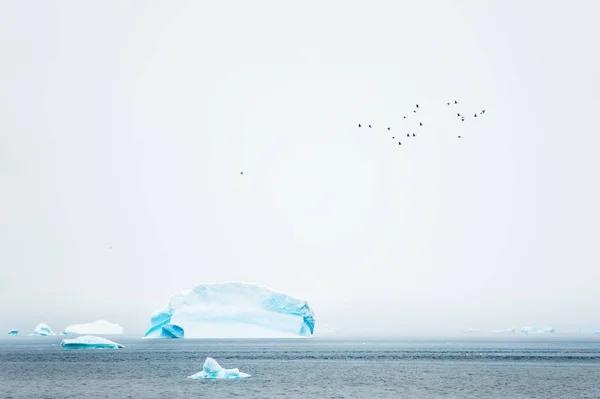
(213, 370)
(102, 327)
(42, 330)
(89, 342)
(14, 331)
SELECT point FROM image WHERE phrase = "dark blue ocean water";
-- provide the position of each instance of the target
(308, 368)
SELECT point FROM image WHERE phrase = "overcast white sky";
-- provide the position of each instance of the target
(127, 123)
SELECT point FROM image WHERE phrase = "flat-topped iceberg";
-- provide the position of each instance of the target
(102, 327)
(89, 342)
(42, 330)
(538, 330)
(213, 370)
(14, 331)
(234, 310)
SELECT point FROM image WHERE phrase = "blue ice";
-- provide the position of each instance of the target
(213, 370)
(89, 342)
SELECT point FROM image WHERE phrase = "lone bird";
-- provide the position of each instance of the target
(474, 115)
(448, 103)
(359, 125)
(242, 173)
(417, 105)
(414, 110)
(389, 128)
(404, 117)
(459, 137)
(420, 123)
(369, 126)
(393, 137)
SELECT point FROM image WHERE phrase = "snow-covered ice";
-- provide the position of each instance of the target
(14, 331)
(42, 330)
(213, 370)
(171, 331)
(537, 330)
(234, 310)
(89, 342)
(95, 327)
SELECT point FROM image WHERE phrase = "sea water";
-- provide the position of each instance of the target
(33, 367)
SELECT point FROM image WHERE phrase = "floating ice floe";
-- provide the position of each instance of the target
(42, 330)
(102, 327)
(234, 310)
(14, 331)
(538, 330)
(213, 370)
(89, 342)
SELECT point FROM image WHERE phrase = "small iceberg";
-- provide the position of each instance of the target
(171, 331)
(213, 370)
(13, 332)
(42, 330)
(89, 342)
(101, 327)
(538, 330)
(508, 330)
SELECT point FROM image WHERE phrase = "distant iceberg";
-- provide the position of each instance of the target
(508, 330)
(13, 332)
(213, 370)
(42, 330)
(102, 327)
(538, 330)
(234, 310)
(89, 342)
(171, 331)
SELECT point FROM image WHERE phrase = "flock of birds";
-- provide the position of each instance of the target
(412, 133)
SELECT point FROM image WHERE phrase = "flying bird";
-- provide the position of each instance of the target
(414, 135)
(399, 143)
(242, 173)
(474, 115)
(420, 123)
(404, 117)
(359, 125)
(455, 102)
(389, 128)
(369, 126)
(417, 106)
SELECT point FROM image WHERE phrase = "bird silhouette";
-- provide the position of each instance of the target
(407, 134)
(448, 103)
(241, 173)
(460, 137)
(455, 102)
(389, 128)
(359, 125)
(417, 106)
(414, 110)
(474, 115)
(399, 143)
(404, 117)
(369, 126)
(414, 135)
(458, 114)
(420, 123)
(393, 137)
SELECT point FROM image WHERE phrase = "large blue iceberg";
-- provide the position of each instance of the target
(42, 330)
(13, 332)
(89, 342)
(213, 370)
(171, 331)
(234, 310)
